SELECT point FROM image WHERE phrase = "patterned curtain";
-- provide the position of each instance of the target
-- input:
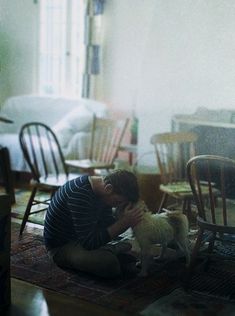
(92, 38)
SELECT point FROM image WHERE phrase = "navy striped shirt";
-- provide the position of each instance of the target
(77, 214)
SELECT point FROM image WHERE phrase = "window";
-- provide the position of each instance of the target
(61, 58)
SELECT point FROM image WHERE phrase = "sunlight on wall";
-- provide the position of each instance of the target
(188, 63)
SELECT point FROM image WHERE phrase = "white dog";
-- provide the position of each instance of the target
(160, 229)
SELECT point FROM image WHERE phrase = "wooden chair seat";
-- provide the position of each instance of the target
(54, 182)
(182, 190)
(178, 189)
(89, 164)
(106, 137)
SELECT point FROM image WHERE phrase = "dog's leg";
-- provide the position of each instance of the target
(145, 259)
(162, 252)
(184, 247)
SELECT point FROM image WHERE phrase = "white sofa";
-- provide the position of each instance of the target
(70, 119)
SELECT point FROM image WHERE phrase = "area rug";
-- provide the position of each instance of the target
(29, 262)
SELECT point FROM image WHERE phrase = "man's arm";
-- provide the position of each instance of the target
(128, 218)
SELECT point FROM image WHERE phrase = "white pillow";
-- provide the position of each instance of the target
(79, 119)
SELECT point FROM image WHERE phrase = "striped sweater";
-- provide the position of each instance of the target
(77, 214)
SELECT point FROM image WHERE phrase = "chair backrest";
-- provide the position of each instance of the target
(42, 150)
(212, 179)
(107, 135)
(173, 150)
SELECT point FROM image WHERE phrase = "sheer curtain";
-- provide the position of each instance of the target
(93, 49)
(69, 57)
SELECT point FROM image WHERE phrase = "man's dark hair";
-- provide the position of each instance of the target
(124, 183)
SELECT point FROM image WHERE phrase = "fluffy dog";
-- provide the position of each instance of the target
(160, 229)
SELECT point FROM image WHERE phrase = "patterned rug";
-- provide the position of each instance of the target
(29, 262)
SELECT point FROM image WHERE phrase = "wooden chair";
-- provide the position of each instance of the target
(106, 137)
(215, 204)
(45, 159)
(173, 150)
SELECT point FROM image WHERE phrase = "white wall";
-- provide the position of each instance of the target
(4, 56)
(126, 25)
(18, 47)
(160, 57)
(179, 54)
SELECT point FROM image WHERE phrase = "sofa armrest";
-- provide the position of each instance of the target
(78, 120)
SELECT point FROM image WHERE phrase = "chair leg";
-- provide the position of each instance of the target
(211, 243)
(163, 202)
(27, 211)
(193, 259)
(187, 208)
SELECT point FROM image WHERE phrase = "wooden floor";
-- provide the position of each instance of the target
(30, 300)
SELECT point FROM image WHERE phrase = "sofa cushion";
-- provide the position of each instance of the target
(79, 119)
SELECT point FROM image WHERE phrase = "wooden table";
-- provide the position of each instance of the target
(5, 242)
(5, 166)
(5, 119)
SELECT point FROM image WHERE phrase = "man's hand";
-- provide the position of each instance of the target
(132, 215)
(128, 217)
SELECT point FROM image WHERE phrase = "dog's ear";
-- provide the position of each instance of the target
(141, 204)
(146, 209)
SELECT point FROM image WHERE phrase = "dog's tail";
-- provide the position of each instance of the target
(179, 222)
(170, 212)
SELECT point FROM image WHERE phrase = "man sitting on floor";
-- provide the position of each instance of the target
(79, 222)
